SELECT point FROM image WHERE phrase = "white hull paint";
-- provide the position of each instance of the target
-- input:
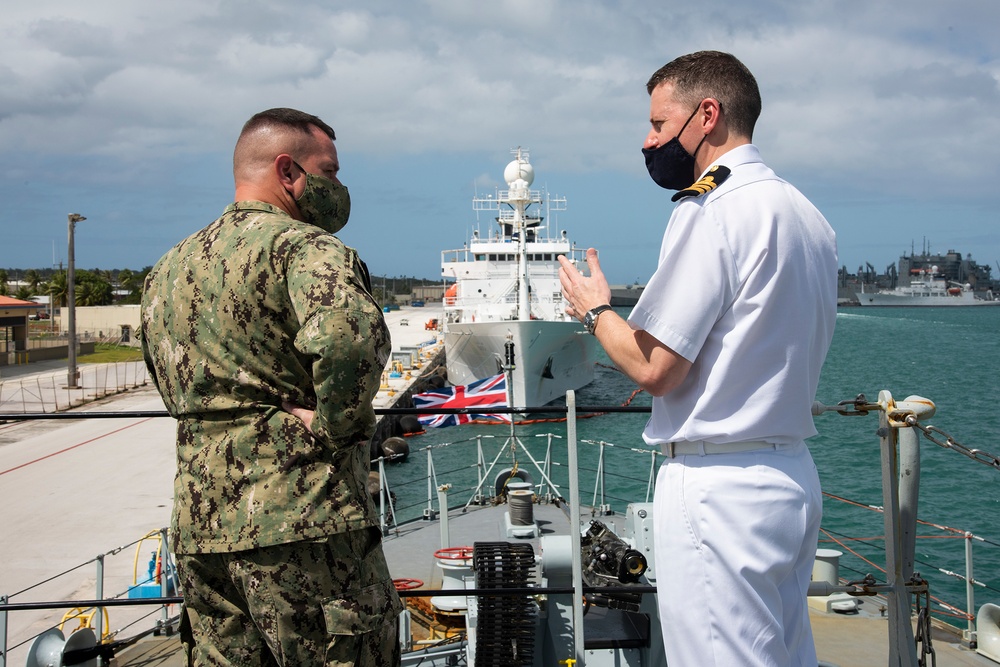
(550, 357)
(507, 284)
(905, 300)
(927, 289)
(926, 293)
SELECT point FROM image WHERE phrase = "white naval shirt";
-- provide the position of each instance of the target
(745, 289)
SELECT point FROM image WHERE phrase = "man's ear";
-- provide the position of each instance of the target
(712, 112)
(286, 172)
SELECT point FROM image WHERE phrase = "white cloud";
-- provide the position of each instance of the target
(860, 98)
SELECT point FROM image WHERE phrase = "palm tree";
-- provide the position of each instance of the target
(56, 289)
(34, 281)
(4, 289)
(93, 290)
(126, 281)
(23, 293)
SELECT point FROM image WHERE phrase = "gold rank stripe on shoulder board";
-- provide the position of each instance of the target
(713, 179)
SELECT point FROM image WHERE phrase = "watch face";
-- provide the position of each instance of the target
(588, 321)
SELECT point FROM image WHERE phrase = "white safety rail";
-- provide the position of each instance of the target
(47, 392)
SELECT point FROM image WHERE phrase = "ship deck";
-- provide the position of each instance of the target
(844, 640)
(77, 488)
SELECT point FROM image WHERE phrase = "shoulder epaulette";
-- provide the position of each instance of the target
(713, 179)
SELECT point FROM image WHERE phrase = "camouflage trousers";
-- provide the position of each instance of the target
(328, 601)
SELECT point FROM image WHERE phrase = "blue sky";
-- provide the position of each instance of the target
(884, 113)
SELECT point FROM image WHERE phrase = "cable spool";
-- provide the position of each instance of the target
(521, 507)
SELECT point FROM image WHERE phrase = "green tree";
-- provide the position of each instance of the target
(34, 281)
(56, 289)
(126, 279)
(126, 282)
(4, 288)
(92, 289)
(24, 293)
(133, 282)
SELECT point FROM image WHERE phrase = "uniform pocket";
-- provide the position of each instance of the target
(362, 611)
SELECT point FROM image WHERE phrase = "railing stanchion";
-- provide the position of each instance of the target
(547, 472)
(167, 571)
(382, 496)
(902, 646)
(574, 512)
(970, 594)
(909, 494)
(429, 514)
(99, 611)
(480, 465)
(3, 632)
(442, 493)
(651, 483)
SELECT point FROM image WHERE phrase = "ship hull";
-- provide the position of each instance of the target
(901, 300)
(551, 358)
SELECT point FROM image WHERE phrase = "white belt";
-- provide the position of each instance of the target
(701, 448)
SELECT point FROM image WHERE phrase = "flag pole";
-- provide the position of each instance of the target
(508, 371)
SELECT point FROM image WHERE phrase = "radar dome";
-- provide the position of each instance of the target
(519, 169)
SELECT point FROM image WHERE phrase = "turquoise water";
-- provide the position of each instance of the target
(949, 355)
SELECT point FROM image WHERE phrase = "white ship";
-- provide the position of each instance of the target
(927, 290)
(507, 288)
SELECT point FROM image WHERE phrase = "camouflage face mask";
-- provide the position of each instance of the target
(324, 203)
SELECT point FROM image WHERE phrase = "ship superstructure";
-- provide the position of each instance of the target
(507, 289)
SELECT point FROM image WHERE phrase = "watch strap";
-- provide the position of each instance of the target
(591, 318)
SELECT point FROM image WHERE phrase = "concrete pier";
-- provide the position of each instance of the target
(417, 349)
(75, 490)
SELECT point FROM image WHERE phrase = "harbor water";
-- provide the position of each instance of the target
(949, 355)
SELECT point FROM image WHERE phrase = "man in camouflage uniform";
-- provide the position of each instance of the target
(263, 338)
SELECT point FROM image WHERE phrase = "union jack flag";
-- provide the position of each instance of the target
(488, 393)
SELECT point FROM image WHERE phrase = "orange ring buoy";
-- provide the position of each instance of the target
(454, 553)
(406, 584)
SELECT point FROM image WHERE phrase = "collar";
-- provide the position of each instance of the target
(717, 173)
(247, 206)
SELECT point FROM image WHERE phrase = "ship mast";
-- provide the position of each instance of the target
(519, 176)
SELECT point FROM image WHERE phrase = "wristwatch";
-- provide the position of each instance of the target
(590, 319)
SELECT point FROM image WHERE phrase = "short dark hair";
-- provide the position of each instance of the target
(718, 75)
(271, 132)
(290, 118)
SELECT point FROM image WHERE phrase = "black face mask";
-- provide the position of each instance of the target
(669, 165)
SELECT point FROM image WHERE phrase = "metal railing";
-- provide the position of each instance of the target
(47, 393)
(899, 426)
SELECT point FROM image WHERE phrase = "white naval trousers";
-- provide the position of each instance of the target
(735, 538)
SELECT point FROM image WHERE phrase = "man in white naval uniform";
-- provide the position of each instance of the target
(729, 337)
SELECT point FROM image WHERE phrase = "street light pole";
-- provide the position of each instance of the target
(73, 375)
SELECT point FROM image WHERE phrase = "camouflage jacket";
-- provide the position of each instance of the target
(254, 309)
